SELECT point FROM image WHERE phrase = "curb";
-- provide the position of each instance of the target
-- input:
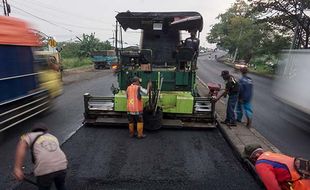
(253, 131)
(238, 137)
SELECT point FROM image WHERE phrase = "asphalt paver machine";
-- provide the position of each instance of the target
(163, 59)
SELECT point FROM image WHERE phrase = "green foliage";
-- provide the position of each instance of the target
(285, 17)
(90, 43)
(271, 46)
(70, 49)
(239, 29)
(83, 47)
(265, 64)
(69, 63)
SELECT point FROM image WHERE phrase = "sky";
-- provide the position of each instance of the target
(65, 19)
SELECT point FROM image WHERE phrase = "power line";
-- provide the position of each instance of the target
(61, 23)
(48, 6)
(42, 19)
(6, 8)
(85, 27)
(66, 24)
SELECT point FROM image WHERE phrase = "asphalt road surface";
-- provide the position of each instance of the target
(63, 119)
(107, 158)
(273, 119)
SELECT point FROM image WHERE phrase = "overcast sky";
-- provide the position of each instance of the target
(65, 19)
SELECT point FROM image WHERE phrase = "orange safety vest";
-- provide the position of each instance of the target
(297, 183)
(134, 100)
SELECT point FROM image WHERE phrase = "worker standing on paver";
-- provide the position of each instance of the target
(49, 160)
(192, 42)
(232, 90)
(135, 106)
(278, 171)
(244, 104)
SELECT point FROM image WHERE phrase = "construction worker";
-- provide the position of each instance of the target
(192, 41)
(135, 106)
(278, 171)
(244, 104)
(232, 90)
(50, 162)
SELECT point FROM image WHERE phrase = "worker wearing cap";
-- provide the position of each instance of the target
(278, 171)
(135, 106)
(244, 104)
(232, 90)
(50, 162)
(192, 41)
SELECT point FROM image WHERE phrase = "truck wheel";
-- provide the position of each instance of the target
(152, 122)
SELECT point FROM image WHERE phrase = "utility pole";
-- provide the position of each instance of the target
(6, 8)
(113, 37)
(116, 39)
(121, 35)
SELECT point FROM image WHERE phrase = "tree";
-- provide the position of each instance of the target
(239, 29)
(84, 46)
(287, 17)
(90, 43)
(69, 49)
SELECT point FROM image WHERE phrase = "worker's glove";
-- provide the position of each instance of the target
(214, 100)
(19, 174)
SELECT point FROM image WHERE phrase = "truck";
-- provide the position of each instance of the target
(163, 60)
(290, 86)
(27, 81)
(103, 59)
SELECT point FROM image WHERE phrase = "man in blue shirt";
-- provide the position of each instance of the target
(245, 97)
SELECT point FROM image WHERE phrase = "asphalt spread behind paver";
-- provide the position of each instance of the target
(106, 158)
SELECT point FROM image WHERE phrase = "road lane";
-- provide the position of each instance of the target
(63, 119)
(271, 117)
(107, 158)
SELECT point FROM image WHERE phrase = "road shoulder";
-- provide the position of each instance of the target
(240, 135)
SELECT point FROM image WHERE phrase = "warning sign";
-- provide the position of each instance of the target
(52, 43)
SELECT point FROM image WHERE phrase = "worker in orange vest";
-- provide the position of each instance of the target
(278, 171)
(135, 106)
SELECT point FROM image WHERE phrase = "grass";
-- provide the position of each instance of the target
(260, 65)
(257, 65)
(262, 69)
(69, 63)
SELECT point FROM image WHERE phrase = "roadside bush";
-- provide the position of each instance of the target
(69, 63)
(265, 64)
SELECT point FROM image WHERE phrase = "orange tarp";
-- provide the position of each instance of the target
(16, 32)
